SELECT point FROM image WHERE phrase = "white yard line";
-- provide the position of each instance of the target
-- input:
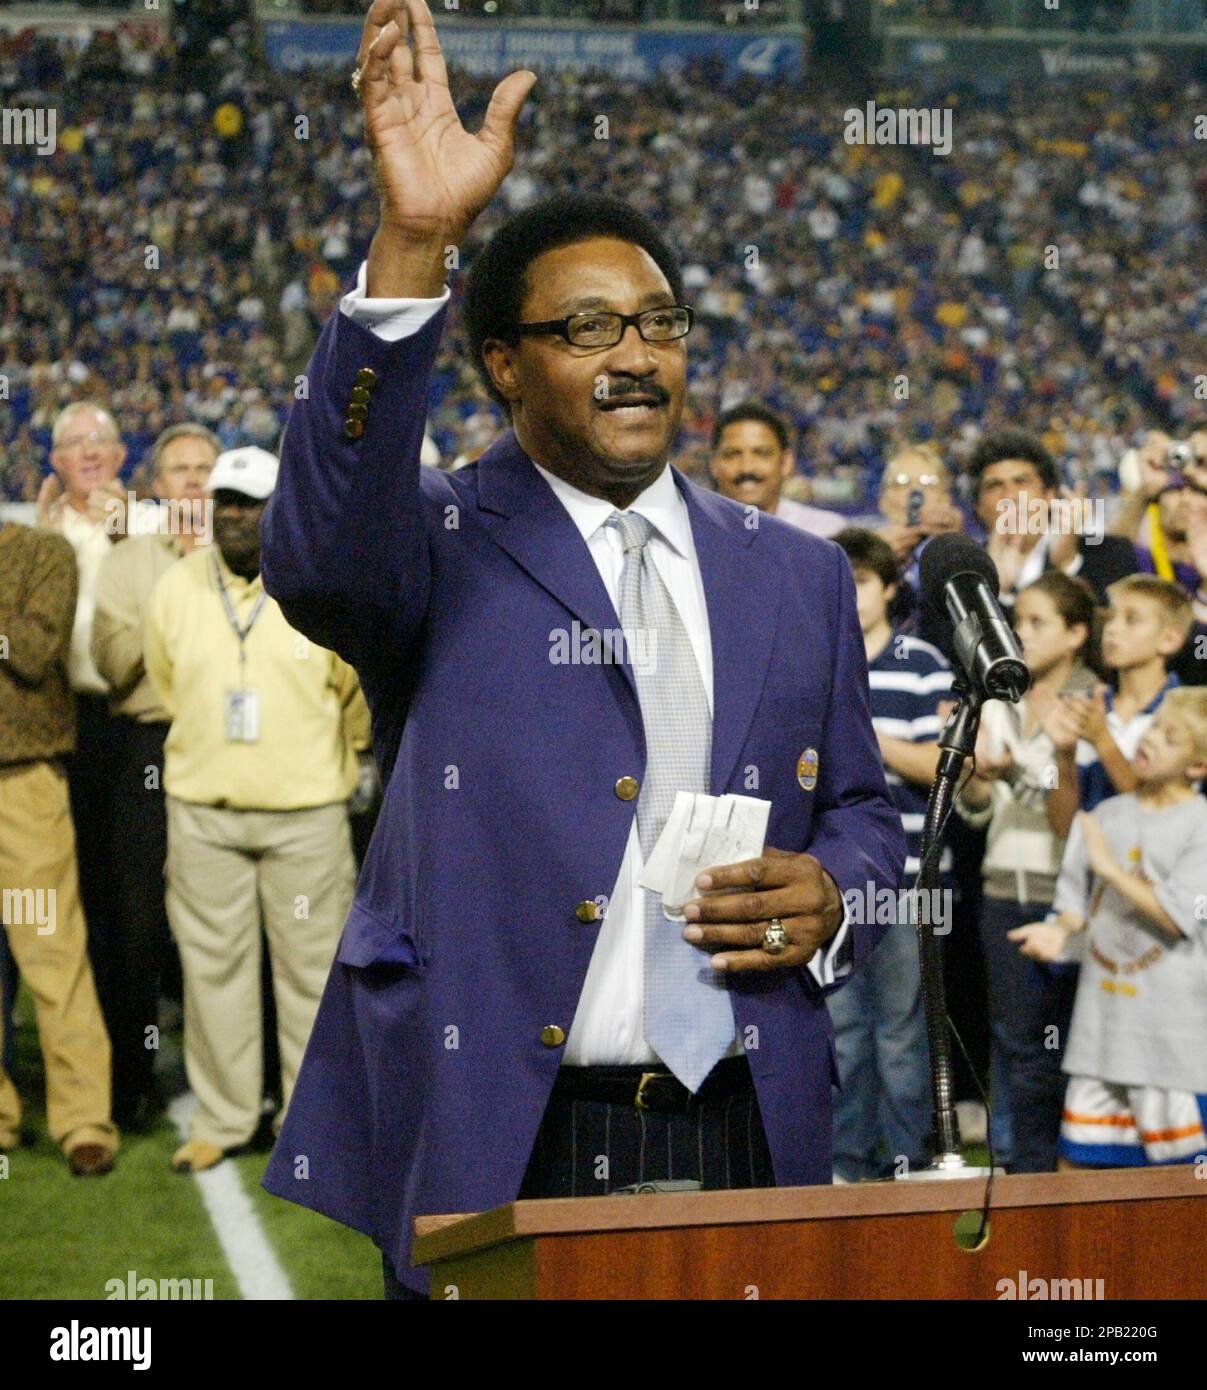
(251, 1258)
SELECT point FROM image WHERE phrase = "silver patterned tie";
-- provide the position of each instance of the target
(687, 1016)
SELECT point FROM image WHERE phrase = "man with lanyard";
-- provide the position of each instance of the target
(258, 767)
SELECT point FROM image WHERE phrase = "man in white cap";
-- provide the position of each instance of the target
(258, 766)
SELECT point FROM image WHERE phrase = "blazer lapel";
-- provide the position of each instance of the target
(529, 522)
(742, 590)
(741, 587)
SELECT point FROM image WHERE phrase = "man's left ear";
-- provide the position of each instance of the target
(788, 467)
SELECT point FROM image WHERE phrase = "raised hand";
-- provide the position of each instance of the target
(1006, 552)
(938, 518)
(433, 176)
(49, 493)
(1153, 457)
(901, 540)
(1057, 718)
(1062, 545)
(107, 507)
(1040, 940)
(1093, 723)
(993, 764)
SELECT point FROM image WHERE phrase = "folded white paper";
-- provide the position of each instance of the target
(702, 832)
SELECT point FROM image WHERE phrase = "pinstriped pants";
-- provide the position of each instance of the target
(587, 1148)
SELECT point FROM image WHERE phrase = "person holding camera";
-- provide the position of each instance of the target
(1158, 480)
(1164, 515)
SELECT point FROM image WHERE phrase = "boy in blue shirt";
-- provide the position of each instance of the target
(882, 1114)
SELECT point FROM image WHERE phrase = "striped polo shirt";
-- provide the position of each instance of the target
(907, 680)
(1096, 784)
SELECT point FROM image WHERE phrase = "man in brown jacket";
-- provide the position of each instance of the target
(39, 891)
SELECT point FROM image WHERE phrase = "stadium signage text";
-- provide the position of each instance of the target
(992, 64)
(626, 54)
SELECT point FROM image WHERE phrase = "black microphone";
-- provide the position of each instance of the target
(961, 616)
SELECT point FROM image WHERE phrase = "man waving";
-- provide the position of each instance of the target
(511, 1013)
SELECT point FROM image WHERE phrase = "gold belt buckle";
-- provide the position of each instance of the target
(646, 1076)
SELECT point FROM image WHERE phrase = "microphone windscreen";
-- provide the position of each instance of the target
(946, 556)
(941, 560)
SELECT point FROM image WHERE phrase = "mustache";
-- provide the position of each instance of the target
(617, 391)
(749, 478)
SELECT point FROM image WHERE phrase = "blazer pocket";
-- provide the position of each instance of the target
(371, 940)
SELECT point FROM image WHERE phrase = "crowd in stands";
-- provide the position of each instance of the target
(1118, 188)
(869, 293)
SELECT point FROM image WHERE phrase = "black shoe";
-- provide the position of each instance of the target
(264, 1137)
(141, 1114)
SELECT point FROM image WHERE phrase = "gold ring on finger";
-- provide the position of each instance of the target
(775, 938)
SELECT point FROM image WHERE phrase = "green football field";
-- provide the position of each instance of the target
(67, 1237)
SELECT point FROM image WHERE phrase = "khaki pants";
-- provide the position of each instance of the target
(225, 868)
(40, 905)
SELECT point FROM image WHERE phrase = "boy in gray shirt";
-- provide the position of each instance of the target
(1130, 893)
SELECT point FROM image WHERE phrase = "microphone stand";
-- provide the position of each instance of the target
(956, 742)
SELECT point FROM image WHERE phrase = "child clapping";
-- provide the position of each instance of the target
(1132, 879)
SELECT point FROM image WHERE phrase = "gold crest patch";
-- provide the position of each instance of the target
(806, 769)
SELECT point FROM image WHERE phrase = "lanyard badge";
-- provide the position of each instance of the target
(240, 706)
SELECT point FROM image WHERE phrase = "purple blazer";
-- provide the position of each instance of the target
(425, 1078)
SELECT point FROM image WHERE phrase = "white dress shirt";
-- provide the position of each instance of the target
(607, 1025)
(91, 544)
(1034, 564)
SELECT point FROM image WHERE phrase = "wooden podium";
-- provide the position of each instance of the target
(1141, 1232)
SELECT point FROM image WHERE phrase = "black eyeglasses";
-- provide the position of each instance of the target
(605, 329)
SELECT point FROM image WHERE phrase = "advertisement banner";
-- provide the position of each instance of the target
(490, 50)
(992, 62)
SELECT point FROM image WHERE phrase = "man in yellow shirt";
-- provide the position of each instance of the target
(258, 766)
